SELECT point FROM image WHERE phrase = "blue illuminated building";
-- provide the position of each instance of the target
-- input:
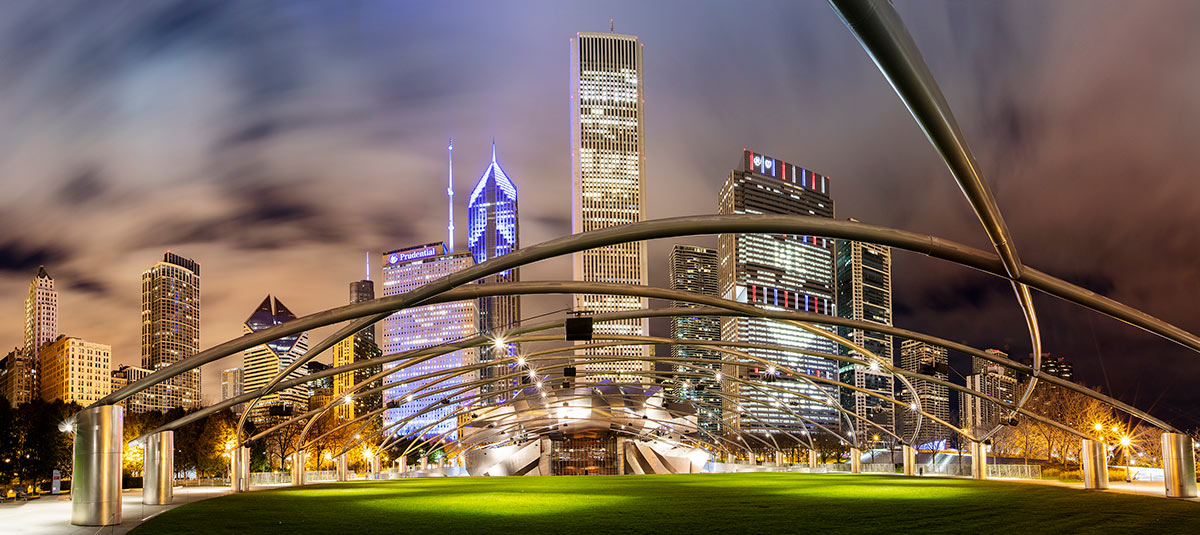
(492, 231)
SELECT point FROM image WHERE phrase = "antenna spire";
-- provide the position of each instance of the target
(493, 150)
(368, 265)
(610, 26)
(450, 193)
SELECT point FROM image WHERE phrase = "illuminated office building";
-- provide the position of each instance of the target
(261, 363)
(694, 269)
(935, 399)
(608, 183)
(424, 326)
(41, 327)
(75, 370)
(864, 293)
(992, 380)
(358, 347)
(493, 231)
(231, 386)
(778, 272)
(171, 328)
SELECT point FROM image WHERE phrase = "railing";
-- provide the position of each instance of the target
(270, 478)
(879, 468)
(320, 475)
(1015, 471)
(203, 482)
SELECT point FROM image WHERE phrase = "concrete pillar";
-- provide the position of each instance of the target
(96, 485)
(298, 459)
(812, 459)
(779, 458)
(158, 469)
(1095, 464)
(910, 460)
(343, 469)
(1179, 467)
(978, 460)
(730, 458)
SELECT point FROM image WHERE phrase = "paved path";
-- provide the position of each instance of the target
(51, 515)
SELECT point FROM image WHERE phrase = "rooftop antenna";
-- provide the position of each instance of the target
(368, 265)
(610, 26)
(450, 192)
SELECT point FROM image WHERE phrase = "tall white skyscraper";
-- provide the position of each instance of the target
(608, 178)
(171, 329)
(41, 328)
(405, 270)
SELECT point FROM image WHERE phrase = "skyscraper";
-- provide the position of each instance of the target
(75, 370)
(935, 399)
(41, 327)
(424, 326)
(231, 383)
(171, 328)
(864, 293)
(608, 180)
(492, 231)
(992, 380)
(358, 347)
(778, 272)
(262, 363)
(694, 269)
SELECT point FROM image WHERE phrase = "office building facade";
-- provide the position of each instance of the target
(935, 399)
(492, 231)
(778, 272)
(358, 347)
(41, 328)
(171, 327)
(694, 269)
(608, 186)
(992, 380)
(421, 327)
(864, 293)
(261, 363)
(75, 370)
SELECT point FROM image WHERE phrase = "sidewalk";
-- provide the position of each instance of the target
(1144, 488)
(51, 515)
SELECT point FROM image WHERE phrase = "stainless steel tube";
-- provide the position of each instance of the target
(158, 469)
(96, 483)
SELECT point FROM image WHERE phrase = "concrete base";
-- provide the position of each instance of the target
(158, 469)
(96, 489)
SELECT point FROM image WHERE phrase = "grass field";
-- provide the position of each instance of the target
(701, 503)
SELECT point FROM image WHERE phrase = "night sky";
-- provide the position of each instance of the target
(276, 142)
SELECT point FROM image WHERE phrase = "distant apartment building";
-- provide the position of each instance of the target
(171, 328)
(934, 398)
(75, 370)
(694, 269)
(864, 279)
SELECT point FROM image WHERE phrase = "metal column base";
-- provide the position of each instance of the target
(298, 459)
(1095, 465)
(779, 458)
(158, 469)
(96, 485)
(910, 460)
(342, 468)
(978, 461)
(239, 469)
(812, 458)
(855, 461)
(1179, 467)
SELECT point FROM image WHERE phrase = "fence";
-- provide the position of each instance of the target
(203, 482)
(1015, 471)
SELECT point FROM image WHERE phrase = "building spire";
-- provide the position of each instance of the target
(450, 192)
(368, 265)
(493, 149)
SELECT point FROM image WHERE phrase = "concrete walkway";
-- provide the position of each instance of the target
(51, 515)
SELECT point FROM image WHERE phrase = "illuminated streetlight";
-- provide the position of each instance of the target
(499, 343)
(348, 400)
(1098, 427)
(521, 360)
(1126, 441)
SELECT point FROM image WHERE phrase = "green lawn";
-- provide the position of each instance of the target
(700, 503)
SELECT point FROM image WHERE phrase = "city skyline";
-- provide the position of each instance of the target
(273, 256)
